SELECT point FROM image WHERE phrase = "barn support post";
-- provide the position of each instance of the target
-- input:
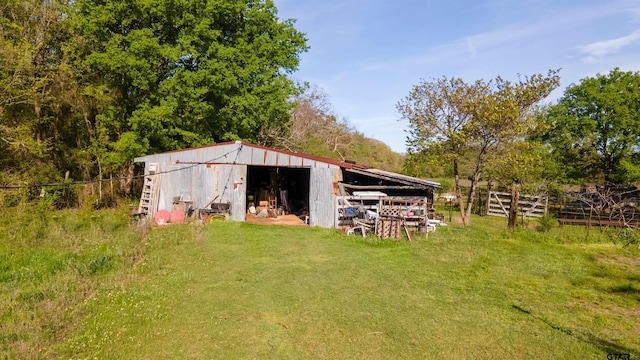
(488, 198)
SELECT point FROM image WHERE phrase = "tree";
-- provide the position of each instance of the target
(450, 118)
(439, 122)
(506, 116)
(316, 129)
(187, 73)
(594, 128)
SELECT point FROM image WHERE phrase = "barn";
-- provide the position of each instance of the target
(239, 173)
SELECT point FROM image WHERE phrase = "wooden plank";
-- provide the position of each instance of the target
(406, 230)
(594, 222)
(501, 205)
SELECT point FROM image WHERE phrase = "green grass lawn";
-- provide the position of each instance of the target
(90, 286)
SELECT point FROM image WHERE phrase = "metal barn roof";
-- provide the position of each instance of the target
(243, 153)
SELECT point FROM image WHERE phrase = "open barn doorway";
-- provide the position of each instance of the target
(288, 186)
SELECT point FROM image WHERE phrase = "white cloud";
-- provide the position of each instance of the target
(505, 39)
(472, 49)
(590, 59)
(365, 82)
(612, 46)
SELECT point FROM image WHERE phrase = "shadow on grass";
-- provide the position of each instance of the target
(609, 347)
(604, 345)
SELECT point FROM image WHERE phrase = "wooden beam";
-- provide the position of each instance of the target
(384, 187)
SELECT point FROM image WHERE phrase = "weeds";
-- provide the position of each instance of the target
(50, 263)
(628, 237)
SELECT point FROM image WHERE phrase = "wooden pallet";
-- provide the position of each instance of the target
(389, 222)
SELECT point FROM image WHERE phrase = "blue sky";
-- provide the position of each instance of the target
(367, 54)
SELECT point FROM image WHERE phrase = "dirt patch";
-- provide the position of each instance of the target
(622, 261)
(291, 220)
(609, 309)
(457, 220)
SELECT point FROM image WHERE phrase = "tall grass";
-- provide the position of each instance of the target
(50, 263)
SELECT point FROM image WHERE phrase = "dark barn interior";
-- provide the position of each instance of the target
(393, 186)
(289, 186)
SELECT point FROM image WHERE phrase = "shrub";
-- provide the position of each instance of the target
(546, 223)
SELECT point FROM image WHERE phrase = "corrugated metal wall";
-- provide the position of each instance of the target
(203, 183)
(189, 178)
(220, 172)
(321, 197)
(238, 193)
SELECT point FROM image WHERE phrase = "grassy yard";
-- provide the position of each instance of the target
(91, 286)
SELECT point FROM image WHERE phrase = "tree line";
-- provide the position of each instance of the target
(502, 132)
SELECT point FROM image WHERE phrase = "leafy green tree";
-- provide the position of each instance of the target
(594, 129)
(451, 120)
(506, 116)
(374, 153)
(187, 73)
(440, 122)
